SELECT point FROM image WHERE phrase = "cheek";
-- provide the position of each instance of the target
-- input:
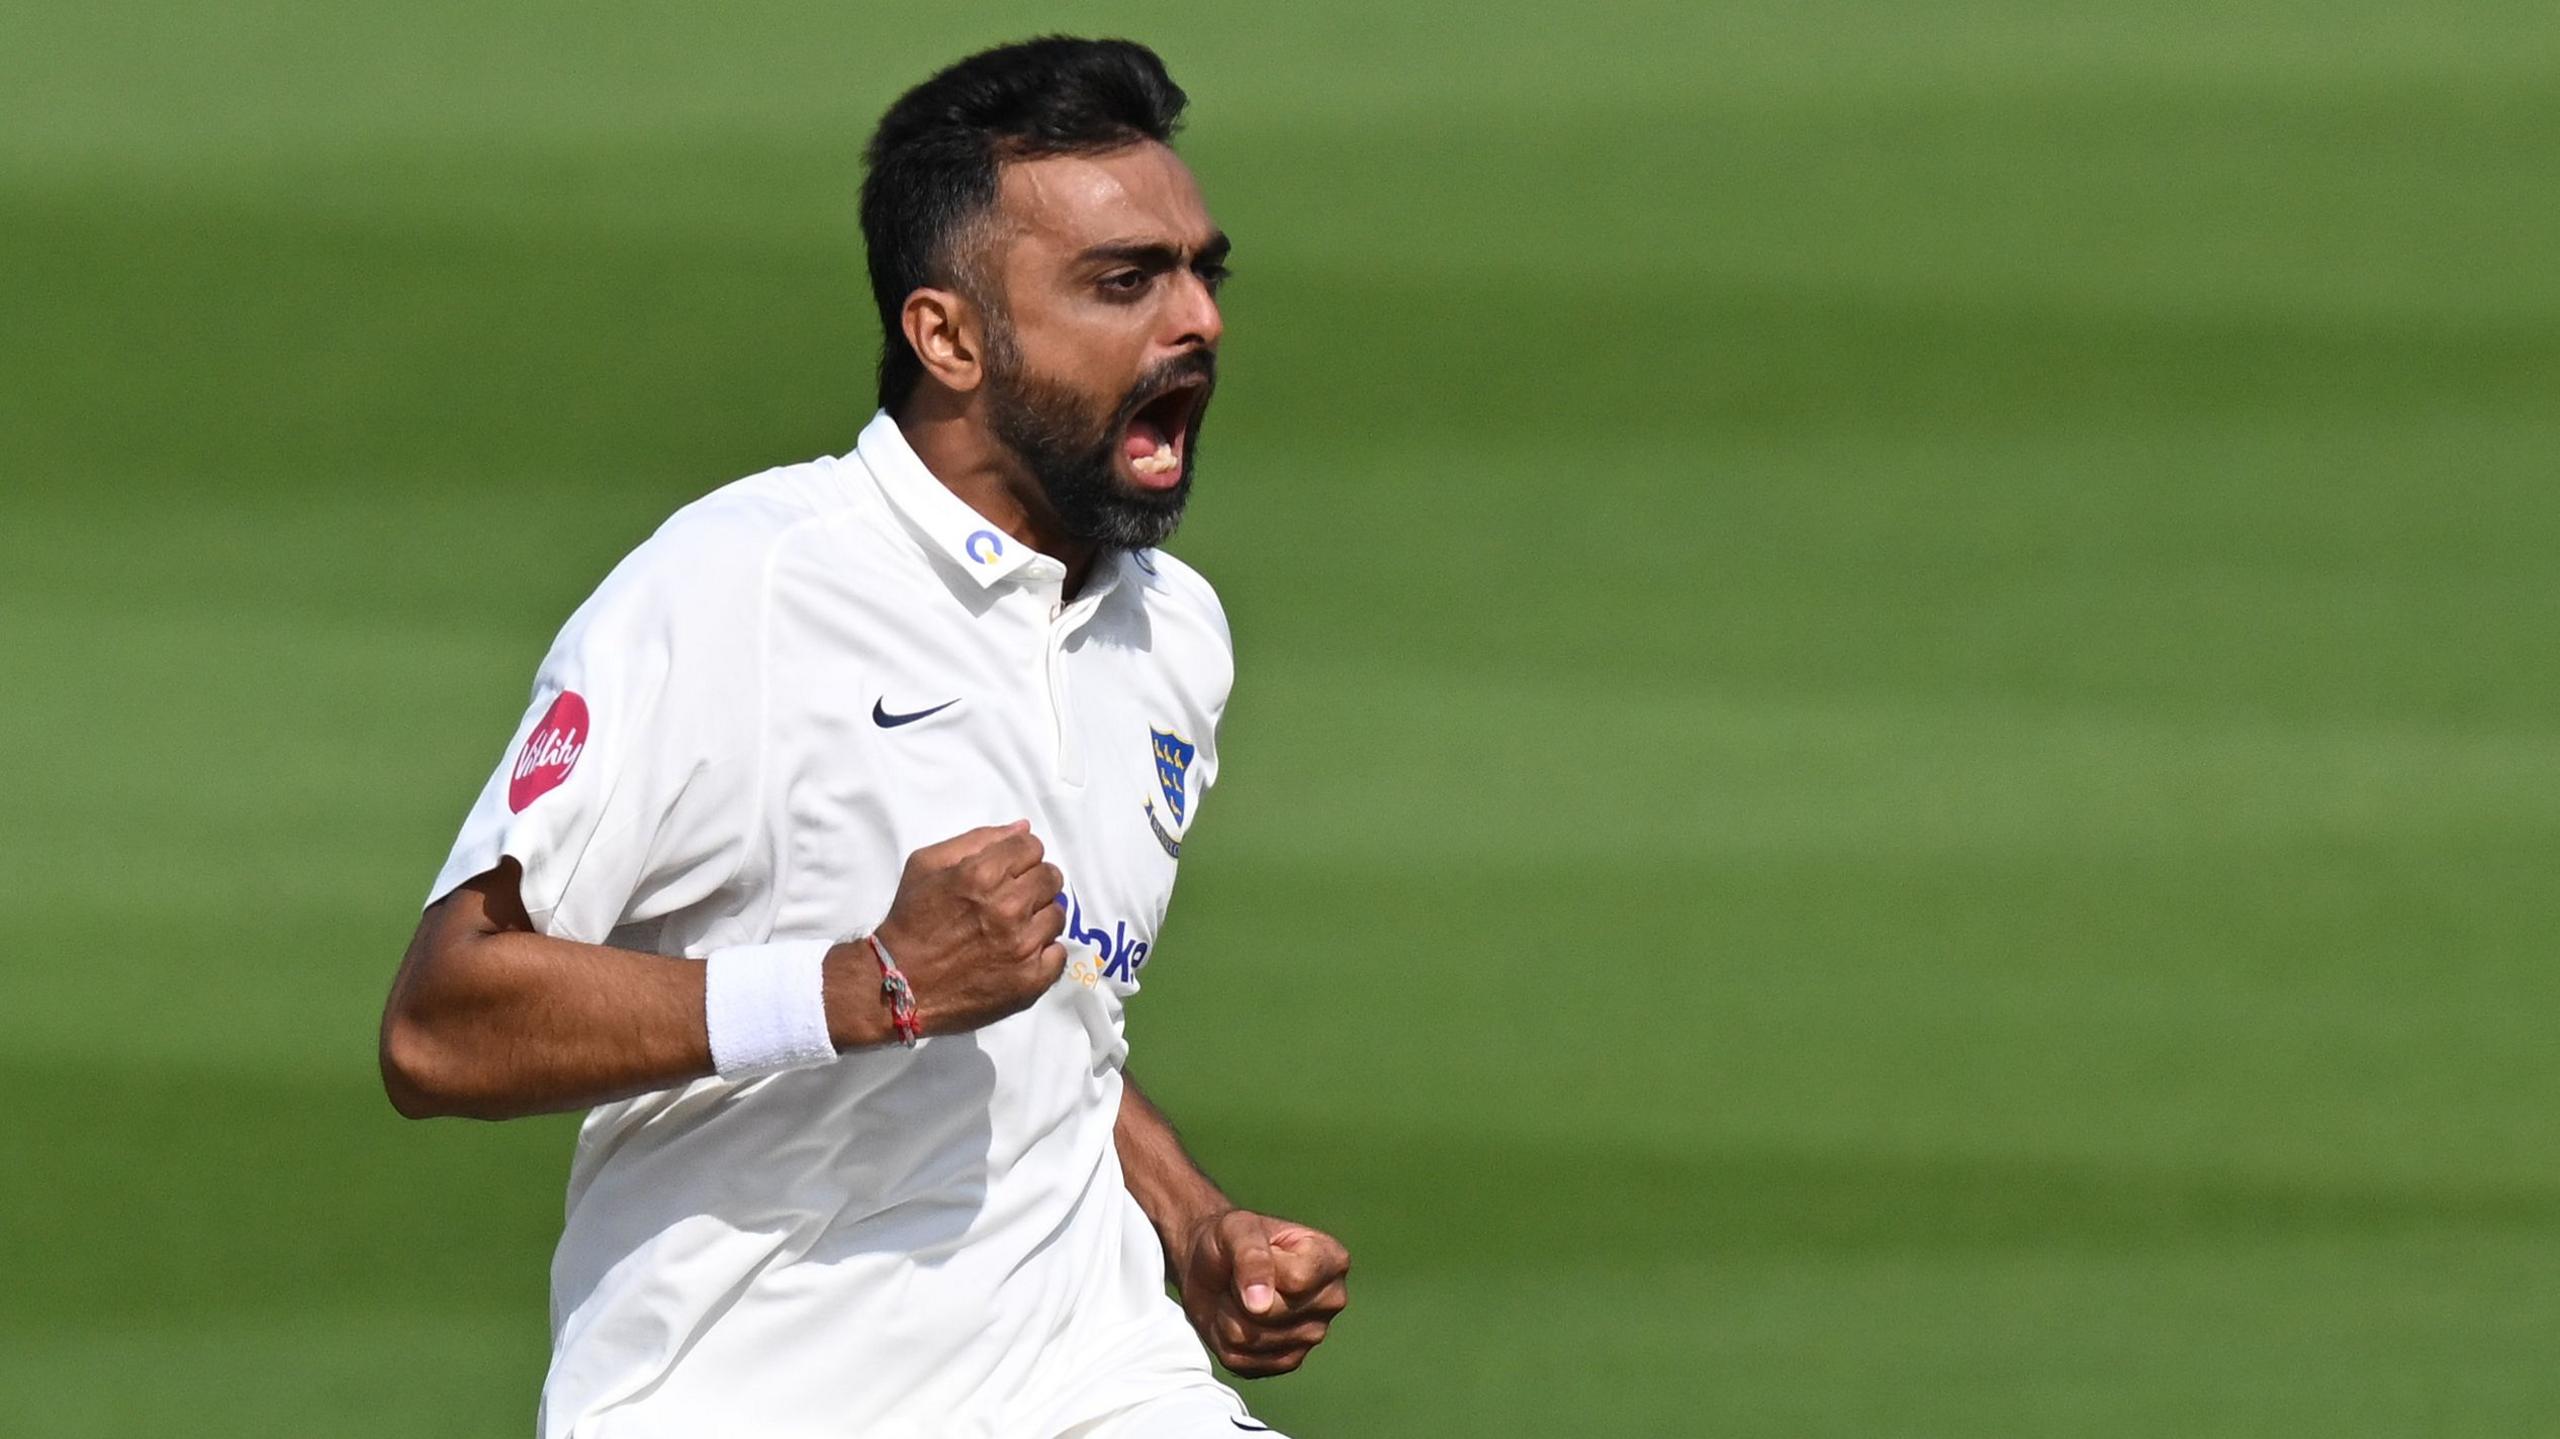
(1098, 370)
(1090, 339)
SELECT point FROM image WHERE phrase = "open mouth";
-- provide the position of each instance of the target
(1159, 433)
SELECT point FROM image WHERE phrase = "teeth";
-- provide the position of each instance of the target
(1163, 462)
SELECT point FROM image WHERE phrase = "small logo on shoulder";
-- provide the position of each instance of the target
(1173, 756)
(550, 752)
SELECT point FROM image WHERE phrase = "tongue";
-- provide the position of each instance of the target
(1145, 438)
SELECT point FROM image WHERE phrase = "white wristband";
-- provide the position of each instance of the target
(766, 1007)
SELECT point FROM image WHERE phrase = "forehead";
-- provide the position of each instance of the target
(1142, 193)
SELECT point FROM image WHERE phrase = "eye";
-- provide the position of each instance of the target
(1124, 282)
(1212, 276)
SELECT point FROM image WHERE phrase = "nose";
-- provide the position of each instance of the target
(1198, 325)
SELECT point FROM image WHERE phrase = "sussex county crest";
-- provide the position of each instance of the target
(1173, 766)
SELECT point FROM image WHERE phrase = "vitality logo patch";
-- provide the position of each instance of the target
(550, 752)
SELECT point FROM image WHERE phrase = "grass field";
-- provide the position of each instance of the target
(1898, 763)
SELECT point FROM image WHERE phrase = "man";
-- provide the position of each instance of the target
(838, 833)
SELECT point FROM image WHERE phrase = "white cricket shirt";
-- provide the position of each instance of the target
(739, 738)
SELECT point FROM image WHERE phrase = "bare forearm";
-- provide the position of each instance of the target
(512, 1024)
(491, 1020)
(1169, 1186)
(1260, 1291)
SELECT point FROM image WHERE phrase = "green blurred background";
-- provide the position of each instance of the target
(1895, 773)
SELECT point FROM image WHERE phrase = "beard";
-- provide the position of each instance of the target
(1074, 451)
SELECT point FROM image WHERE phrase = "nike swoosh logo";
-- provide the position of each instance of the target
(1251, 1428)
(886, 720)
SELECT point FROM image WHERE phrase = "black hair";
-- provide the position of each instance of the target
(932, 164)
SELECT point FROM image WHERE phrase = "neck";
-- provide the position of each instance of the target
(989, 478)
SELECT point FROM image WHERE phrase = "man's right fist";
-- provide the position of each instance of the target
(975, 926)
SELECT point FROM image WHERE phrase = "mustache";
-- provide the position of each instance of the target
(1191, 365)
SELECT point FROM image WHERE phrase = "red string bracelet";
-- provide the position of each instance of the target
(901, 995)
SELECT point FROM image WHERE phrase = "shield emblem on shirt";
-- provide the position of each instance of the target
(1173, 765)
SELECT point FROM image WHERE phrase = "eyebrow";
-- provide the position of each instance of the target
(1156, 255)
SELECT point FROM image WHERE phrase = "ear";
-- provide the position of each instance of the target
(945, 330)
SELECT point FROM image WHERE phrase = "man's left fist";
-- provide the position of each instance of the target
(1261, 1291)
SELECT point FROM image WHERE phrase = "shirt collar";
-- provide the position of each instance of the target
(942, 519)
(947, 524)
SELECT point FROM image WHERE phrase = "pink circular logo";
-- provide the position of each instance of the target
(550, 752)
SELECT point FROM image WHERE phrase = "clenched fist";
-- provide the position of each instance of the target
(975, 927)
(1261, 1291)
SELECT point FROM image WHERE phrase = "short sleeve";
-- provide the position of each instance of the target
(628, 790)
